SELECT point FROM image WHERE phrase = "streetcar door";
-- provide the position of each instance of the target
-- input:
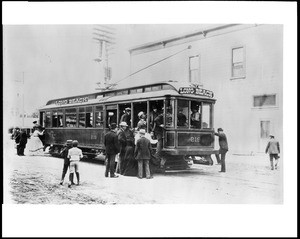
(111, 115)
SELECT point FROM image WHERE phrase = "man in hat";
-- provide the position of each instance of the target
(142, 124)
(181, 118)
(112, 148)
(17, 138)
(153, 114)
(64, 154)
(273, 149)
(126, 117)
(223, 149)
(159, 132)
(142, 154)
(122, 143)
(22, 142)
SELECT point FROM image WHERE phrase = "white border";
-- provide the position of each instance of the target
(179, 220)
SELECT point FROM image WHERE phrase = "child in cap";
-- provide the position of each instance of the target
(64, 154)
(74, 154)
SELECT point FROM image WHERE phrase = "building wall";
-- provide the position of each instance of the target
(234, 110)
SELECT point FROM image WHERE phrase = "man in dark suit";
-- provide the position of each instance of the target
(112, 148)
(142, 154)
(22, 142)
(159, 132)
(223, 148)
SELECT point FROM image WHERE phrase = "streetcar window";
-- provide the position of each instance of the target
(167, 87)
(57, 118)
(147, 89)
(48, 119)
(169, 113)
(71, 117)
(195, 114)
(81, 120)
(156, 88)
(42, 118)
(99, 117)
(182, 113)
(85, 117)
(206, 115)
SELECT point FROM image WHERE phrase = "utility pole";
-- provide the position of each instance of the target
(105, 38)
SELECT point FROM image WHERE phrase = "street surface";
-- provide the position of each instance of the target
(35, 180)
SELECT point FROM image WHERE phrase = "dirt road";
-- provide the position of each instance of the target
(35, 180)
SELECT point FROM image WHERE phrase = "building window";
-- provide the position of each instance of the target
(194, 69)
(264, 100)
(238, 62)
(264, 129)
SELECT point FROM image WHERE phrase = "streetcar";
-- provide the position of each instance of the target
(86, 118)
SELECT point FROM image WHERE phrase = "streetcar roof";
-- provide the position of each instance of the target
(107, 97)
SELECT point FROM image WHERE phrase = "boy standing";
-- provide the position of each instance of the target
(64, 154)
(142, 153)
(74, 154)
(273, 149)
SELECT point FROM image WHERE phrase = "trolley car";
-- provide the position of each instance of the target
(86, 118)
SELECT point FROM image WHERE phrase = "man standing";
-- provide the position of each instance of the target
(22, 143)
(159, 132)
(273, 149)
(223, 148)
(126, 116)
(17, 138)
(112, 149)
(142, 153)
(122, 142)
(64, 154)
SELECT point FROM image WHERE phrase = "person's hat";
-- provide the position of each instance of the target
(75, 142)
(17, 128)
(113, 125)
(154, 107)
(69, 142)
(127, 109)
(142, 131)
(34, 122)
(271, 135)
(123, 123)
(220, 129)
(140, 114)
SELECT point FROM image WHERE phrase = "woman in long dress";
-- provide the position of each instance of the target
(34, 144)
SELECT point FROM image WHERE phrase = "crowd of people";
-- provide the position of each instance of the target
(130, 148)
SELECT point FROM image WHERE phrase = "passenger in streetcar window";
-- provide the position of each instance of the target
(181, 118)
(195, 118)
(142, 124)
(153, 114)
(126, 117)
(169, 116)
(159, 132)
(74, 154)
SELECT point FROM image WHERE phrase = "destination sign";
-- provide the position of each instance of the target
(72, 101)
(196, 91)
